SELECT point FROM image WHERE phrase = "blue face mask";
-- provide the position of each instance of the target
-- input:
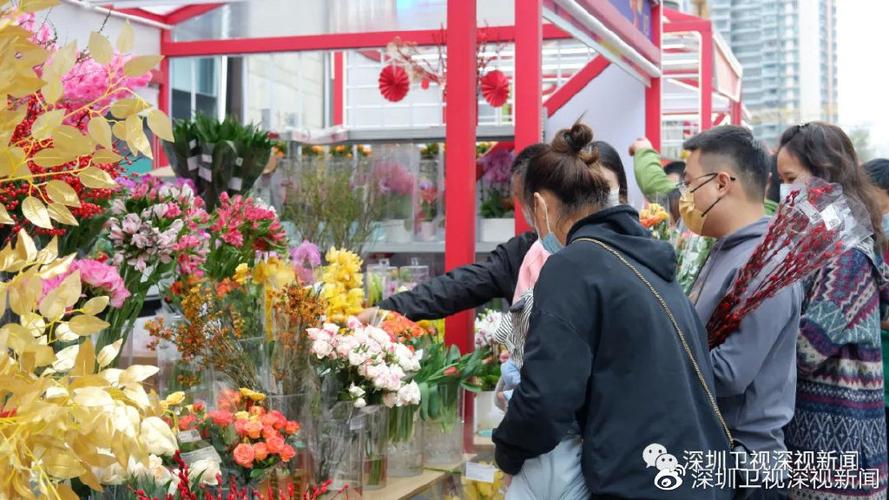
(550, 243)
(886, 222)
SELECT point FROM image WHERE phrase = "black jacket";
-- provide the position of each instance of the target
(601, 353)
(466, 287)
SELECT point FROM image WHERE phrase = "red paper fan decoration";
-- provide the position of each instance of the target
(394, 83)
(495, 88)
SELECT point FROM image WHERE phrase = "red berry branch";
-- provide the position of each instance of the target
(811, 228)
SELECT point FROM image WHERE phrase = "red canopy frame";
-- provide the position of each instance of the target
(463, 33)
(716, 62)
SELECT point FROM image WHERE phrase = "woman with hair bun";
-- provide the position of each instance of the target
(616, 381)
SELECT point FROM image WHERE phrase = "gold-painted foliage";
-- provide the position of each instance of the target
(65, 139)
(65, 413)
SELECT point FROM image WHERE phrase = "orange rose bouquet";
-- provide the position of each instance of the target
(250, 439)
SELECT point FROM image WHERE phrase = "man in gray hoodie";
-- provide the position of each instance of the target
(755, 368)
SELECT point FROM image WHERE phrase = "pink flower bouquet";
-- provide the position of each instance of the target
(369, 365)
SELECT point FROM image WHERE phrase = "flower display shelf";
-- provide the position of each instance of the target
(399, 488)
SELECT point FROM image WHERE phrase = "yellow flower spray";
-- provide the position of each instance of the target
(343, 285)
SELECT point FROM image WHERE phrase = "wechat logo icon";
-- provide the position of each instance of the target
(669, 470)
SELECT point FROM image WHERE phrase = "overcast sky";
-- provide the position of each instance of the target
(864, 68)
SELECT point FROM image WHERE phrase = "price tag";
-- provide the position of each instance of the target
(831, 218)
(192, 144)
(207, 158)
(206, 453)
(206, 174)
(480, 472)
(189, 436)
(239, 161)
(356, 423)
(235, 183)
(192, 163)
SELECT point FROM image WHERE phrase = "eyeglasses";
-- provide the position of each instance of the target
(685, 186)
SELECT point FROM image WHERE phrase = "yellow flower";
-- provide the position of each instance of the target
(249, 393)
(242, 415)
(273, 273)
(342, 289)
(174, 399)
(241, 273)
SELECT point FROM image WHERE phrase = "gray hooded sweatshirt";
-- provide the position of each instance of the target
(755, 368)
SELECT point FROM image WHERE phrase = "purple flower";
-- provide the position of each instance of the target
(305, 258)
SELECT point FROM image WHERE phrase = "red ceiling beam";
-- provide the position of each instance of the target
(575, 84)
(334, 41)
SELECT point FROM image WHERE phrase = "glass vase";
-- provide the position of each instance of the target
(405, 442)
(443, 431)
(298, 470)
(175, 374)
(336, 442)
(376, 442)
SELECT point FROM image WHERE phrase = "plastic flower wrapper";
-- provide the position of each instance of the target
(816, 224)
(66, 415)
(486, 325)
(692, 251)
(657, 220)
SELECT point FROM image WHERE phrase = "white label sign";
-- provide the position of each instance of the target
(189, 436)
(206, 174)
(480, 472)
(192, 163)
(235, 183)
(206, 453)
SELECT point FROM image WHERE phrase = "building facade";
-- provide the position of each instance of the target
(788, 51)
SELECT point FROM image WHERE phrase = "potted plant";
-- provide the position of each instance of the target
(487, 414)
(496, 209)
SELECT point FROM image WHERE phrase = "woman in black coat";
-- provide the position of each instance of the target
(602, 357)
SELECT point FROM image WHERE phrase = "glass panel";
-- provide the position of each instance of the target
(195, 84)
(269, 18)
(285, 91)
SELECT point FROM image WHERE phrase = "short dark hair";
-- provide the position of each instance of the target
(520, 163)
(610, 160)
(748, 157)
(675, 167)
(878, 171)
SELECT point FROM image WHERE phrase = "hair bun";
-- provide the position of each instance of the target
(574, 140)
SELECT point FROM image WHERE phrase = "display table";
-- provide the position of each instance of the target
(406, 487)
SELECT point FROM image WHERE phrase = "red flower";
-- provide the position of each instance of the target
(394, 83)
(495, 88)
(451, 372)
(221, 418)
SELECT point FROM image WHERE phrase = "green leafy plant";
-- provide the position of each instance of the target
(219, 157)
(329, 208)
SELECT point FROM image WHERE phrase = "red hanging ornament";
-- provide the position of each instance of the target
(394, 83)
(495, 88)
(424, 84)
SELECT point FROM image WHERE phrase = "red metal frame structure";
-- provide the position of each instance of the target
(463, 34)
(716, 64)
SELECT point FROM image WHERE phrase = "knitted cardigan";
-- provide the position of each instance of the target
(840, 403)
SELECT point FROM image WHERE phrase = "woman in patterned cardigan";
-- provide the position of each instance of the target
(840, 403)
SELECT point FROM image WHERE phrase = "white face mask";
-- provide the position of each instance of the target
(613, 198)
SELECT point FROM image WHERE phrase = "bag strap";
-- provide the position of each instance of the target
(676, 327)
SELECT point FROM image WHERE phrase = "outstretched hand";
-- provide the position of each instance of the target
(639, 144)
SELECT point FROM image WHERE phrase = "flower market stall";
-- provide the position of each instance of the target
(196, 335)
